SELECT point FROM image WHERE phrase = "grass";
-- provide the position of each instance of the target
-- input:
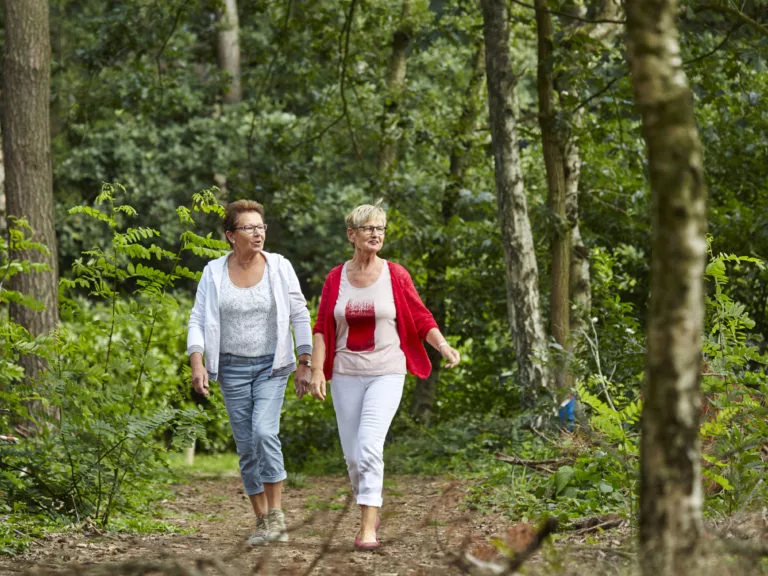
(141, 525)
(206, 465)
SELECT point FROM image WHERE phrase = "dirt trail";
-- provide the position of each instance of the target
(423, 531)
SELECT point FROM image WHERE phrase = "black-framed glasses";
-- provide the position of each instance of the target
(371, 229)
(251, 229)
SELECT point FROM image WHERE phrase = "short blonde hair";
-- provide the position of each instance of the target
(364, 213)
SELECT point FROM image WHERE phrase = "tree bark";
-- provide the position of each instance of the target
(390, 132)
(670, 474)
(579, 288)
(229, 50)
(553, 147)
(422, 406)
(27, 154)
(520, 258)
(3, 222)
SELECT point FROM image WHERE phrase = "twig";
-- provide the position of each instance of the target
(762, 28)
(618, 552)
(733, 29)
(346, 33)
(606, 525)
(535, 464)
(264, 83)
(600, 92)
(27, 536)
(165, 43)
(541, 435)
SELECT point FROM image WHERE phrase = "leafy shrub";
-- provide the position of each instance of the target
(114, 375)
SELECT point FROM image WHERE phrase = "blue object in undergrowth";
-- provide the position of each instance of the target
(567, 413)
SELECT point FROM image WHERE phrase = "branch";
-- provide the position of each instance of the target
(165, 43)
(265, 82)
(735, 27)
(759, 27)
(572, 17)
(343, 76)
(535, 464)
(600, 92)
(330, 125)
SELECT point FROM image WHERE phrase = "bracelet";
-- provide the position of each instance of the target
(443, 343)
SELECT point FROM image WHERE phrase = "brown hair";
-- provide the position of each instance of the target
(234, 209)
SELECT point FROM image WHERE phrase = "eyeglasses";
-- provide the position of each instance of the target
(251, 229)
(371, 229)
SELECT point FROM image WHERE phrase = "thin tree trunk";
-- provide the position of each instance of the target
(27, 154)
(520, 257)
(553, 145)
(3, 222)
(670, 474)
(390, 132)
(229, 50)
(580, 293)
(423, 403)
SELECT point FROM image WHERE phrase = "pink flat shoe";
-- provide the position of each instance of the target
(366, 546)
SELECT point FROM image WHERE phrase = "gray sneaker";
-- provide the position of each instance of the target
(260, 536)
(277, 530)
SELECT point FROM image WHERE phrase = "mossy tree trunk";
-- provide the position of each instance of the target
(522, 276)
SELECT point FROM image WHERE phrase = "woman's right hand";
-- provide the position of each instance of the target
(317, 384)
(200, 380)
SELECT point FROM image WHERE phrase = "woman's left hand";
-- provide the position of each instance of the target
(301, 380)
(451, 356)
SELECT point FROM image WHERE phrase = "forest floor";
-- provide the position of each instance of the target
(425, 530)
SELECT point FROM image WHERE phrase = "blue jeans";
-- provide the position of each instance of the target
(254, 400)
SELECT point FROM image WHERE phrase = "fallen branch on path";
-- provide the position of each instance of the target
(595, 523)
(541, 465)
(471, 565)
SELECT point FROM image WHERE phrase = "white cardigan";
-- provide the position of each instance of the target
(203, 330)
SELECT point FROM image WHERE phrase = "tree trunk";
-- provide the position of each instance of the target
(579, 287)
(553, 146)
(520, 257)
(390, 132)
(670, 474)
(3, 222)
(27, 152)
(229, 50)
(423, 403)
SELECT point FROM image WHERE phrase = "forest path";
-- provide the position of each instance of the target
(424, 531)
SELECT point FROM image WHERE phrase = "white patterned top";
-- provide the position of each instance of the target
(248, 317)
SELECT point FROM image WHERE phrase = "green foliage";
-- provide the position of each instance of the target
(734, 425)
(116, 376)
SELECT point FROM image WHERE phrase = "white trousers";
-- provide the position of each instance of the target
(365, 407)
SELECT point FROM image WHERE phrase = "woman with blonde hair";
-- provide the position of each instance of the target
(246, 303)
(368, 334)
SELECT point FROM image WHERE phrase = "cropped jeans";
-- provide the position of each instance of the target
(254, 400)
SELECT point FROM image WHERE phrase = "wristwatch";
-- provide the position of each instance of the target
(307, 363)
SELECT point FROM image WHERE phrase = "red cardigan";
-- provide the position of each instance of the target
(413, 320)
